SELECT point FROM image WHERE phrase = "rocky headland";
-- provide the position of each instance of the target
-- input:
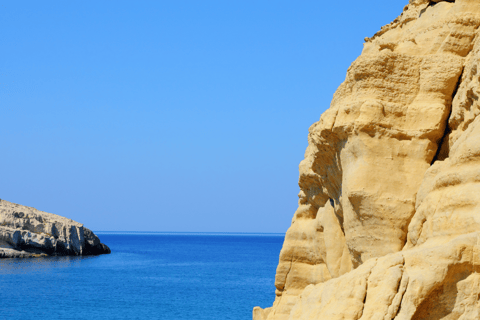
(388, 219)
(27, 232)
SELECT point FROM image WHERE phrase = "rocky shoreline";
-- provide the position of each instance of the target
(26, 232)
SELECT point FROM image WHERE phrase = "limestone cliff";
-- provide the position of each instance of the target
(28, 232)
(388, 222)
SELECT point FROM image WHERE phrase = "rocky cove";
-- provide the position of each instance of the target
(28, 232)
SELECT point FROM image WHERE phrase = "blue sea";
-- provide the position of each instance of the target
(147, 276)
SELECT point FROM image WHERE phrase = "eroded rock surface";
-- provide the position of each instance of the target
(388, 223)
(28, 232)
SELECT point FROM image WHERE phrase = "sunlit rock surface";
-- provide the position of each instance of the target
(28, 232)
(388, 223)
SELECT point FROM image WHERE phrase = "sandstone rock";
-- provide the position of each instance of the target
(28, 232)
(388, 223)
(439, 282)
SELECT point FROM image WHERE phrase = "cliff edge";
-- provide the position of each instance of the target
(28, 232)
(388, 221)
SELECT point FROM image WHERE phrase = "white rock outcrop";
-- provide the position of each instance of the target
(28, 232)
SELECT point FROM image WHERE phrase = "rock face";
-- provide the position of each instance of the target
(388, 222)
(28, 232)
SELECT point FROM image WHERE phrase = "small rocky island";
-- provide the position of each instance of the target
(27, 232)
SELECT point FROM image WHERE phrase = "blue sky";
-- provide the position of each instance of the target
(170, 115)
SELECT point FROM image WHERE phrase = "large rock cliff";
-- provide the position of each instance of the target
(28, 232)
(388, 222)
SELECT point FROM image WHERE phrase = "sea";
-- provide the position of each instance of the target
(171, 276)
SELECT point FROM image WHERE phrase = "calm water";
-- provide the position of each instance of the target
(147, 276)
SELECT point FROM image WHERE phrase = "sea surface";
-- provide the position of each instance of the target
(147, 276)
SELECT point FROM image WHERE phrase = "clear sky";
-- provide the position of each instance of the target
(180, 115)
